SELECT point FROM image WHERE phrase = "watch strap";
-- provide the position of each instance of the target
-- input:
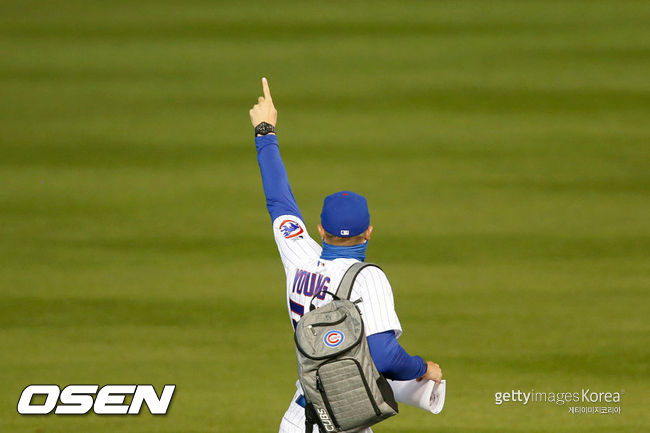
(264, 128)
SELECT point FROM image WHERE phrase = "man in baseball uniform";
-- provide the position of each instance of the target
(311, 270)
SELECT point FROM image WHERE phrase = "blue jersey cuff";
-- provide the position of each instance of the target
(265, 140)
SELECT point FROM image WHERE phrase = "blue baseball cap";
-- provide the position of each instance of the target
(345, 214)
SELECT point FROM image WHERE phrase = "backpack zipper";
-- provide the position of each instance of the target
(345, 316)
(328, 407)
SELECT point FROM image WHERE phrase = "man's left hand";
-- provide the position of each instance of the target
(264, 110)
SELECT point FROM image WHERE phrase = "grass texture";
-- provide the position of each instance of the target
(503, 147)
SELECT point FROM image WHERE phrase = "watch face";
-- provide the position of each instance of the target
(264, 128)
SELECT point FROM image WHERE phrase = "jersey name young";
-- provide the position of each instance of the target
(310, 284)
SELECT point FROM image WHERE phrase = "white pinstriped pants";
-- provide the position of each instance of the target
(293, 420)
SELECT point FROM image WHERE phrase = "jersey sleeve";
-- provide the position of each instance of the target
(277, 190)
(294, 243)
(378, 305)
(392, 360)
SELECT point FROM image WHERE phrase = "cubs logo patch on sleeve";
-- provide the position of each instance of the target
(290, 229)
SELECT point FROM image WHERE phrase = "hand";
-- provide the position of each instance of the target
(433, 373)
(264, 110)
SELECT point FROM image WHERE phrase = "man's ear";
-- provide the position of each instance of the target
(321, 230)
(368, 233)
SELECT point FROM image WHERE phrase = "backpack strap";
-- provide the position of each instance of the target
(311, 419)
(345, 286)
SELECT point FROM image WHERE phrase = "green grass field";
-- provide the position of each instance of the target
(503, 147)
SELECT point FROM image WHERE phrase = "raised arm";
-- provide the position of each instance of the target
(279, 198)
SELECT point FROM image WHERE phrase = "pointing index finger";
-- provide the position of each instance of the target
(265, 88)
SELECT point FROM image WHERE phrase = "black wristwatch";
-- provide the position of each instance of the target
(264, 128)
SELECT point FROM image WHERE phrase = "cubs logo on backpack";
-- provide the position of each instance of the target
(333, 338)
(344, 392)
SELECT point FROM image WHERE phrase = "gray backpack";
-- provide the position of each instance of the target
(344, 392)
